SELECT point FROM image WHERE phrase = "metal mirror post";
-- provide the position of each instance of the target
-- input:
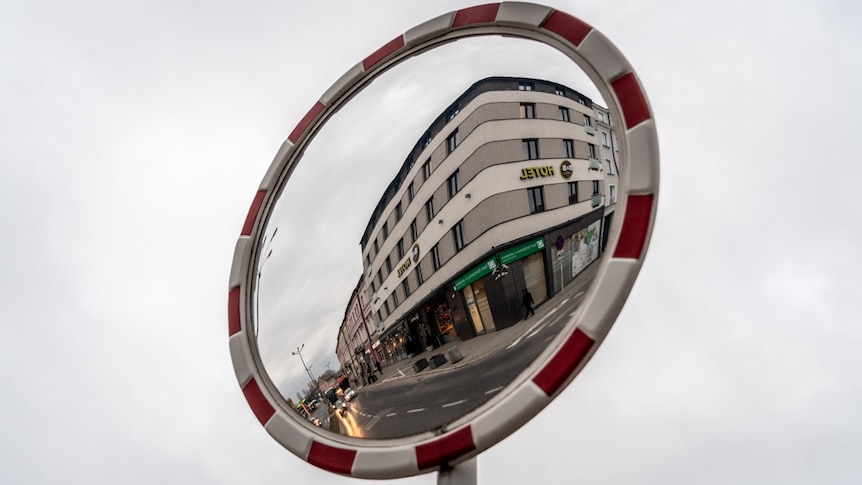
(473, 205)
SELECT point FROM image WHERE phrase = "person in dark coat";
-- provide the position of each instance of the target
(527, 303)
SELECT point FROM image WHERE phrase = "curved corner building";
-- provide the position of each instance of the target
(504, 191)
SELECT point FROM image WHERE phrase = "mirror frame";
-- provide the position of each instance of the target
(558, 365)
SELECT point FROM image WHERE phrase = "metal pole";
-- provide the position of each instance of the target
(464, 473)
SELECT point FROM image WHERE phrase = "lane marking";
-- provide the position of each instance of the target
(454, 403)
(415, 410)
(518, 340)
(491, 391)
(390, 415)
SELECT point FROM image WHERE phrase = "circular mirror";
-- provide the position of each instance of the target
(473, 204)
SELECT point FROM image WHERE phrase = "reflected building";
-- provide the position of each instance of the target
(358, 347)
(507, 190)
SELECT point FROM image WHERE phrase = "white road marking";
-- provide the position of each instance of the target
(491, 391)
(518, 340)
(415, 410)
(454, 403)
(390, 415)
(579, 294)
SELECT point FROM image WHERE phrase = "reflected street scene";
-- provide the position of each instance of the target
(462, 238)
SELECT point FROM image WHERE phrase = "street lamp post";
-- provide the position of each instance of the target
(299, 353)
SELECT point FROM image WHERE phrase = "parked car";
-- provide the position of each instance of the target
(349, 394)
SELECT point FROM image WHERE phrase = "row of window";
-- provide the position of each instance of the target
(531, 149)
(536, 195)
(528, 111)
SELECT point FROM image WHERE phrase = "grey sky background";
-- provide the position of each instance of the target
(133, 139)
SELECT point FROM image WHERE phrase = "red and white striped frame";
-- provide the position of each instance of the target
(559, 364)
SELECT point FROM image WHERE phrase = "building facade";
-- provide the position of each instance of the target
(505, 191)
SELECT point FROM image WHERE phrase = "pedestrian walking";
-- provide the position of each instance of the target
(527, 303)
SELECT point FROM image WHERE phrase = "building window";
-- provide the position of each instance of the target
(435, 257)
(385, 230)
(610, 167)
(600, 116)
(429, 209)
(528, 110)
(426, 169)
(569, 146)
(525, 86)
(458, 235)
(453, 184)
(414, 230)
(612, 194)
(537, 199)
(419, 277)
(376, 249)
(592, 150)
(367, 260)
(452, 114)
(379, 317)
(406, 286)
(411, 192)
(379, 276)
(605, 139)
(573, 192)
(373, 290)
(386, 307)
(587, 120)
(398, 212)
(395, 302)
(564, 113)
(560, 92)
(595, 187)
(388, 264)
(452, 142)
(400, 248)
(531, 149)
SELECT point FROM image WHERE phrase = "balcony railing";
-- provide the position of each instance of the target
(594, 164)
(597, 200)
(589, 129)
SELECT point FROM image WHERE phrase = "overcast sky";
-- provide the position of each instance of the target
(133, 139)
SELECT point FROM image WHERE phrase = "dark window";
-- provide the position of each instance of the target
(592, 150)
(373, 290)
(452, 142)
(367, 260)
(569, 146)
(406, 285)
(419, 277)
(452, 114)
(385, 230)
(386, 307)
(458, 235)
(379, 317)
(388, 264)
(376, 250)
(587, 120)
(395, 298)
(379, 276)
(595, 187)
(453, 184)
(400, 248)
(398, 212)
(537, 199)
(429, 209)
(528, 110)
(531, 149)
(564, 113)
(573, 192)
(426, 169)
(411, 192)
(435, 257)
(414, 230)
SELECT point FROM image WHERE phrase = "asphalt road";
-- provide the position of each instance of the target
(420, 403)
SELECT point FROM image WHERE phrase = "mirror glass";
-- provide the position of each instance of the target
(440, 230)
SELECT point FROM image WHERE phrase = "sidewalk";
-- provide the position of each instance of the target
(481, 346)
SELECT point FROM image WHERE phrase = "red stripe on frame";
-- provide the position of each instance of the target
(564, 363)
(305, 122)
(635, 225)
(258, 403)
(233, 320)
(381, 53)
(445, 449)
(476, 15)
(333, 459)
(252, 213)
(632, 100)
(570, 28)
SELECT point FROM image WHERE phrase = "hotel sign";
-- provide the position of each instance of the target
(536, 172)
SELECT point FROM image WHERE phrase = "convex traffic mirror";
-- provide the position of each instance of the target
(443, 241)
